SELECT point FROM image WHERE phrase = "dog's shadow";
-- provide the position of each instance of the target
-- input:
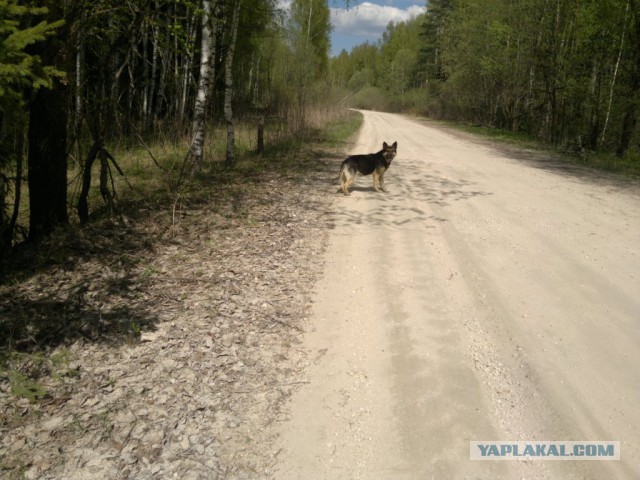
(355, 188)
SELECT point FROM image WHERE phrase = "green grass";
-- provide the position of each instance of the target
(338, 132)
(294, 154)
(628, 166)
(146, 181)
(507, 136)
(151, 166)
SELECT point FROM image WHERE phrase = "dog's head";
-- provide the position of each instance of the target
(389, 151)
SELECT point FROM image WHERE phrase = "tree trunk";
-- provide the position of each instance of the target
(5, 233)
(615, 76)
(228, 85)
(159, 101)
(47, 161)
(151, 94)
(79, 65)
(186, 68)
(260, 148)
(146, 76)
(83, 202)
(207, 66)
(631, 114)
(18, 186)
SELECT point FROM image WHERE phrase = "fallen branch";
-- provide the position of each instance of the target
(151, 155)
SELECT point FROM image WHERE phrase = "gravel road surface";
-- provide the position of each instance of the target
(491, 294)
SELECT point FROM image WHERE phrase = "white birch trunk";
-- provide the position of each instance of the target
(145, 91)
(207, 66)
(151, 93)
(615, 75)
(228, 84)
(186, 78)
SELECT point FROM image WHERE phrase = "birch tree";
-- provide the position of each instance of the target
(228, 84)
(207, 72)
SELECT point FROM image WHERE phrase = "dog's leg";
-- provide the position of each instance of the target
(347, 179)
(343, 187)
(352, 177)
(344, 178)
(375, 181)
(382, 182)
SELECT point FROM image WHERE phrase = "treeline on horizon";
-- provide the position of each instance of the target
(564, 71)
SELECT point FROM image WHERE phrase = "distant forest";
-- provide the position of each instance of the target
(564, 71)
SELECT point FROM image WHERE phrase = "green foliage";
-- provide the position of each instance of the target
(22, 73)
(371, 98)
(361, 79)
(433, 27)
(388, 75)
(310, 28)
(60, 364)
(24, 369)
(339, 130)
(295, 64)
(23, 387)
(567, 71)
(19, 69)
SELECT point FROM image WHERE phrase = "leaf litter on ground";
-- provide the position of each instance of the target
(177, 335)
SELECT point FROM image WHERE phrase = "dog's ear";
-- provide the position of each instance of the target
(395, 145)
(384, 145)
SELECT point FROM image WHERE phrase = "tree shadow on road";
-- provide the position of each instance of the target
(411, 193)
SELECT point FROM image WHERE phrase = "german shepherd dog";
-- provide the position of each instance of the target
(376, 163)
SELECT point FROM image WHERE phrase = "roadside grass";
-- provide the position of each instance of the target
(35, 334)
(151, 170)
(629, 166)
(506, 136)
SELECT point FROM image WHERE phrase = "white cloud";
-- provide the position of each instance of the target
(368, 20)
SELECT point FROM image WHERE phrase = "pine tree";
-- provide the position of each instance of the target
(434, 26)
(47, 158)
(22, 72)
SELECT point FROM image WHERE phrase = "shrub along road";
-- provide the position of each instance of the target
(492, 294)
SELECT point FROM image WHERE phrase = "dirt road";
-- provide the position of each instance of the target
(490, 295)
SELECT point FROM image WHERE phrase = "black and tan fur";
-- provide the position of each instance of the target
(372, 163)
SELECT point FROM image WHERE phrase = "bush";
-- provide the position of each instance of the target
(371, 98)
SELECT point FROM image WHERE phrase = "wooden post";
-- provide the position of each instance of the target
(260, 136)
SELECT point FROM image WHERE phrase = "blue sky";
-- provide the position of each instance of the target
(366, 20)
